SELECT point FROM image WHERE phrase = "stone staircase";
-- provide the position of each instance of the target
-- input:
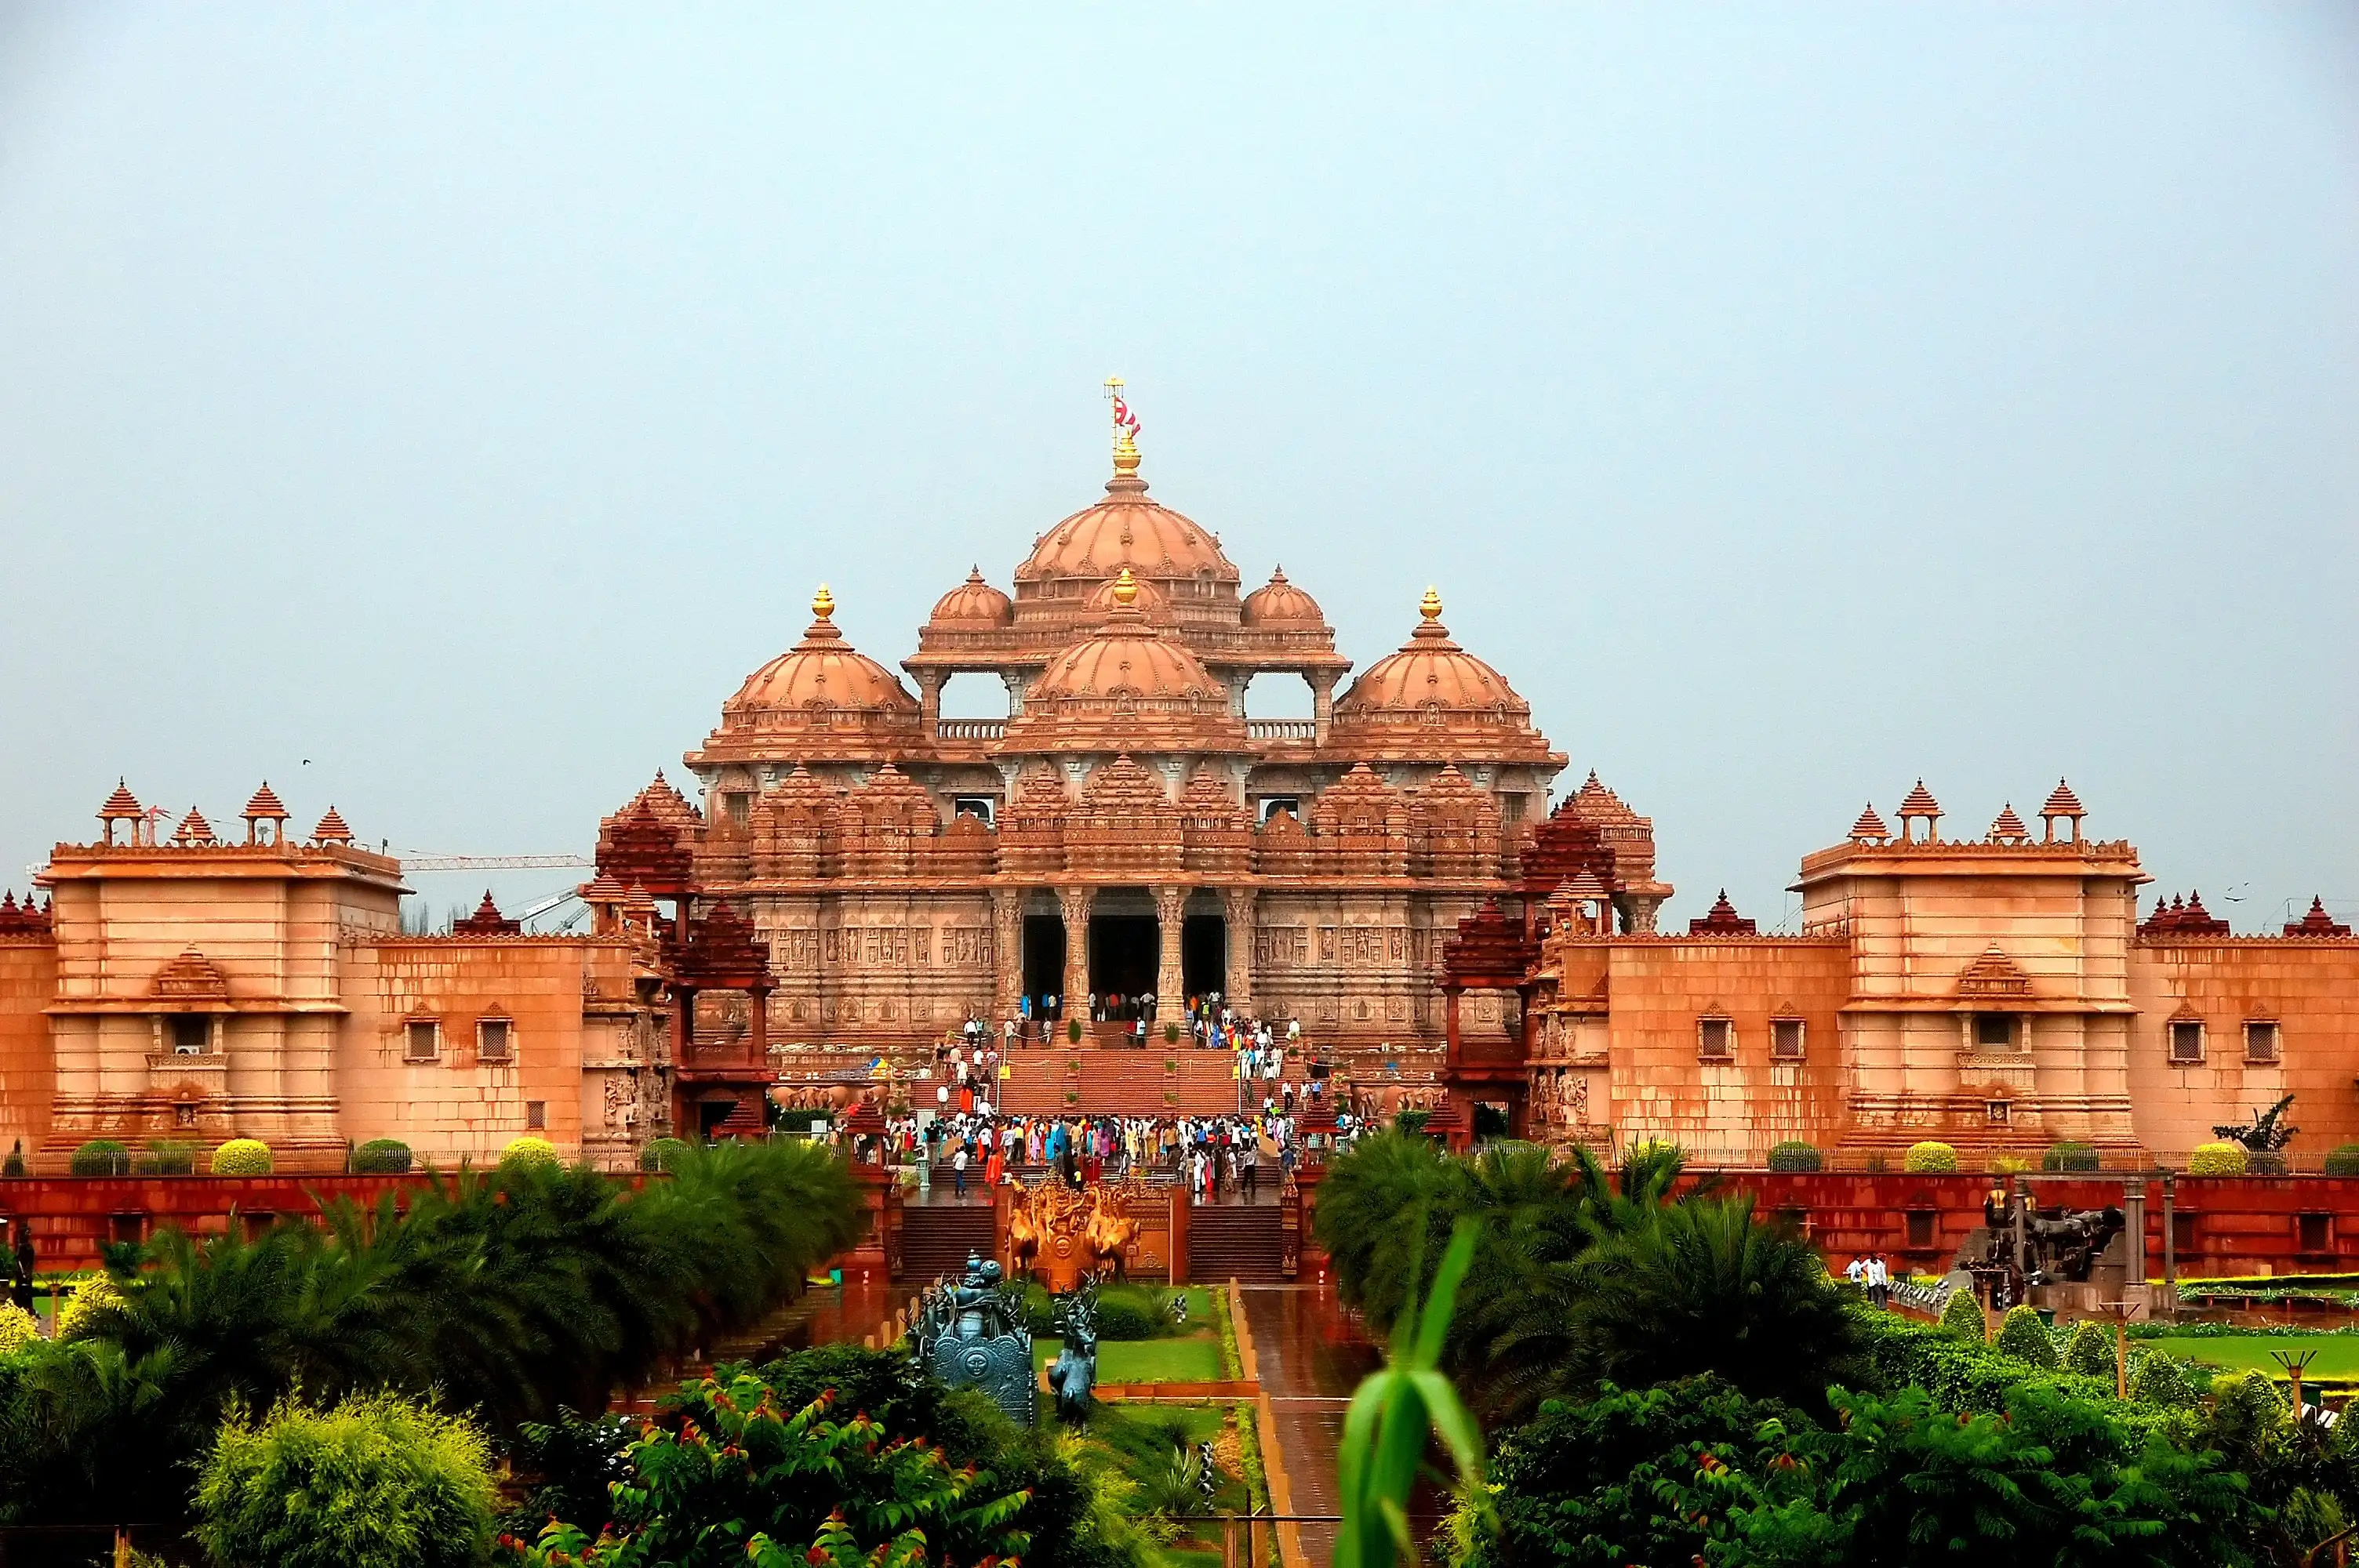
(1235, 1241)
(1120, 1081)
(937, 1238)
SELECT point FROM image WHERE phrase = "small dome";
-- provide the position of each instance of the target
(1125, 657)
(817, 680)
(975, 603)
(1278, 605)
(1434, 678)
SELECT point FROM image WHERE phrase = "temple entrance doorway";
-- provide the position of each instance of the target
(1123, 953)
(1205, 953)
(1044, 957)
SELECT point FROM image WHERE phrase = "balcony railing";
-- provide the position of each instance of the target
(972, 729)
(1281, 728)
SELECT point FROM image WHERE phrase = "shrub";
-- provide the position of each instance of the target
(373, 1482)
(382, 1157)
(661, 1154)
(1170, 1035)
(2340, 1161)
(2158, 1380)
(14, 1164)
(2217, 1159)
(2071, 1157)
(1930, 1158)
(166, 1158)
(1962, 1315)
(2008, 1165)
(241, 1157)
(1795, 1156)
(2022, 1336)
(92, 1297)
(2090, 1350)
(1073, 1029)
(102, 1157)
(19, 1328)
(528, 1153)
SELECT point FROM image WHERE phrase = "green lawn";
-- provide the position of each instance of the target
(1147, 1360)
(2337, 1356)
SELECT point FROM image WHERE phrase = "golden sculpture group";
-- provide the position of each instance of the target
(1058, 1235)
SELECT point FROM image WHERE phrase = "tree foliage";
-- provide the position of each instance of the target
(372, 1482)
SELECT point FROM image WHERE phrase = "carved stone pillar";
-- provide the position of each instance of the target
(930, 701)
(1170, 908)
(1006, 950)
(1237, 947)
(1075, 902)
(1322, 705)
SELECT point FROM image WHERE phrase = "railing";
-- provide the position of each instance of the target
(1281, 728)
(972, 729)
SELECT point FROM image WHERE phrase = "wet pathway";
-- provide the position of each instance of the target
(1312, 1356)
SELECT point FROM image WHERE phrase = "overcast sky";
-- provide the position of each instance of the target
(440, 409)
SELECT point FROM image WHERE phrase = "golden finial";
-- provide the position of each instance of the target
(1430, 605)
(1126, 590)
(1125, 429)
(824, 603)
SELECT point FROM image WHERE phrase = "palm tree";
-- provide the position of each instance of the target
(1703, 1288)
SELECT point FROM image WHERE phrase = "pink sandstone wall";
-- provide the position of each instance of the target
(460, 1107)
(2309, 986)
(1726, 1113)
(27, 1070)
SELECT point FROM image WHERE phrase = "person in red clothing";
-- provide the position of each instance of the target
(995, 1170)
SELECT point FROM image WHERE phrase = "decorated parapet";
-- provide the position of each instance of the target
(972, 1334)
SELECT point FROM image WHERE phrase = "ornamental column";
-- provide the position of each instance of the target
(1170, 983)
(1075, 902)
(1237, 947)
(930, 702)
(1006, 951)
(1322, 704)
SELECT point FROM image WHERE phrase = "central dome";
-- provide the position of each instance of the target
(1126, 686)
(1126, 529)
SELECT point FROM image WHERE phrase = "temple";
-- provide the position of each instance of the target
(860, 875)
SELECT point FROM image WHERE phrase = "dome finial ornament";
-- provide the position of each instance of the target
(1431, 606)
(1125, 429)
(824, 603)
(1126, 588)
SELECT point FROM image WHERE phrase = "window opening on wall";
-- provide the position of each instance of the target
(1920, 1227)
(1994, 1031)
(2260, 1040)
(421, 1040)
(494, 1039)
(1786, 1039)
(739, 806)
(1715, 1038)
(192, 1034)
(2316, 1232)
(535, 1115)
(1996, 1112)
(1271, 805)
(2186, 1039)
(2184, 1233)
(978, 807)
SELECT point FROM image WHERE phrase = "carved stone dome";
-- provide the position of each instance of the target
(1278, 605)
(1433, 697)
(822, 683)
(973, 604)
(1126, 657)
(1125, 687)
(1126, 529)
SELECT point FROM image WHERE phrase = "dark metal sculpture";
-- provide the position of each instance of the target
(1075, 1373)
(973, 1335)
(2032, 1246)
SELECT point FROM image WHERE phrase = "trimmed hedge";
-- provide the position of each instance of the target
(2090, 1350)
(661, 1154)
(2217, 1159)
(242, 1157)
(164, 1157)
(19, 1328)
(529, 1153)
(382, 1157)
(1929, 1159)
(2343, 1159)
(1962, 1315)
(1978, 1377)
(2078, 1157)
(92, 1295)
(101, 1157)
(1794, 1155)
(2158, 1380)
(2022, 1336)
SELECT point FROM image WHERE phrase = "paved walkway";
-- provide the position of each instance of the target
(1312, 1356)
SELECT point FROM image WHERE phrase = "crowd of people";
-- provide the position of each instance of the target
(1218, 1156)
(968, 1061)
